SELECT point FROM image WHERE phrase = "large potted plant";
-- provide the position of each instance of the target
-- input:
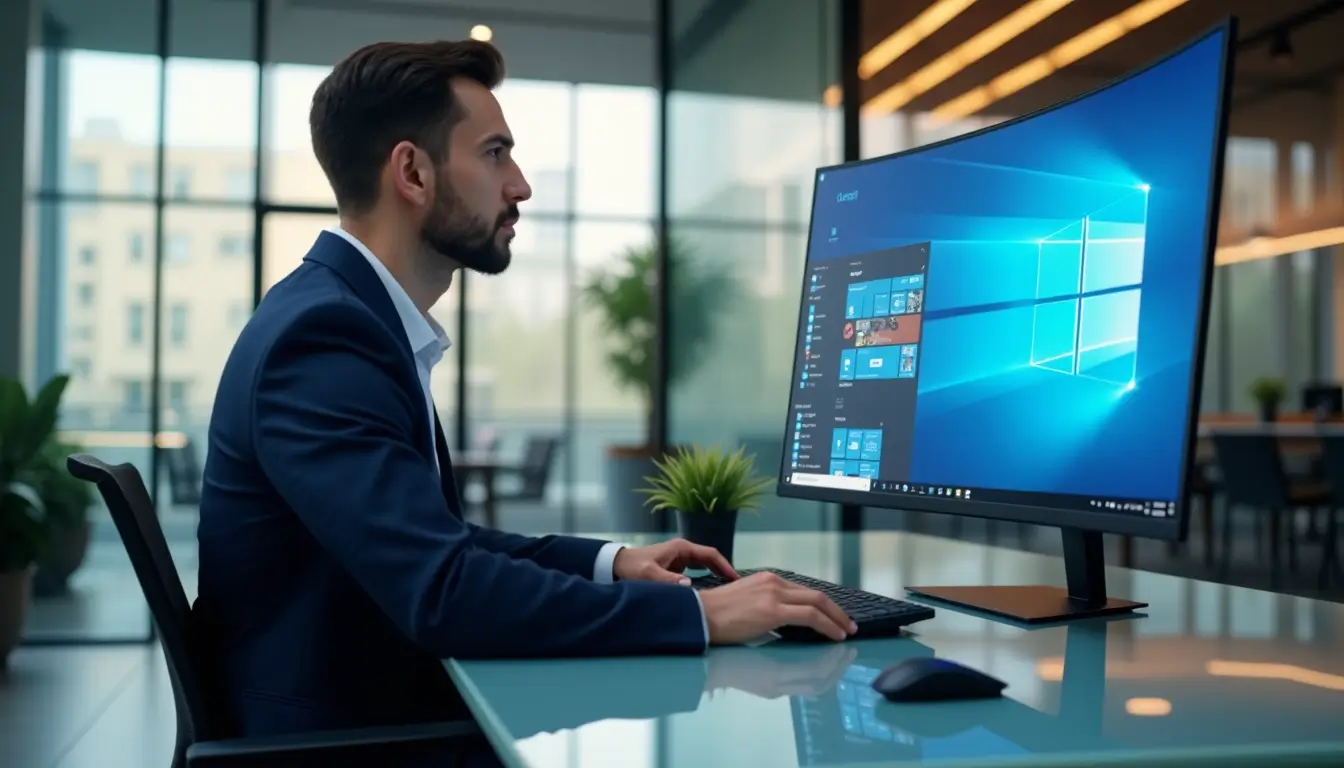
(67, 501)
(623, 296)
(706, 488)
(1268, 393)
(25, 428)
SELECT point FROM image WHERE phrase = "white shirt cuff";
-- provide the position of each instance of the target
(603, 573)
(704, 620)
(606, 562)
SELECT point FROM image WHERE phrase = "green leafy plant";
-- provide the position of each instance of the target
(705, 481)
(26, 429)
(66, 498)
(1268, 391)
(624, 297)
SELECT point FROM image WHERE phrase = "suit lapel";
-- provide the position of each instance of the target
(447, 478)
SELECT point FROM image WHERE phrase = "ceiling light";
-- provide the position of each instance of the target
(949, 64)
(1084, 43)
(482, 33)
(930, 20)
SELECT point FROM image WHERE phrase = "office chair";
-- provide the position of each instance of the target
(201, 726)
(1253, 476)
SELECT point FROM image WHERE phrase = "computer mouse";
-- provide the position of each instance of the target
(927, 678)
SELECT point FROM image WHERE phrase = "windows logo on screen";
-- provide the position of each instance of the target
(1089, 283)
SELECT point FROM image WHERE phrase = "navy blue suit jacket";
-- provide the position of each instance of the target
(336, 569)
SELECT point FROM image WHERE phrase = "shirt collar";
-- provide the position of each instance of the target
(427, 338)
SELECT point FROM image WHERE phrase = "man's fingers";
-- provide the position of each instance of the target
(671, 577)
(811, 616)
(714, 560)
(807, 596)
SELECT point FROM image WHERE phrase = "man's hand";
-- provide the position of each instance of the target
(763, 602)
(666, 562)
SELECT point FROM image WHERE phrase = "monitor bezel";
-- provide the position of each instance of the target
(1173, 528)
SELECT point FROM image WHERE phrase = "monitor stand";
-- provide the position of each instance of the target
(1083, 598)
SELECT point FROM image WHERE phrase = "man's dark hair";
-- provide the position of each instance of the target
(386, 93)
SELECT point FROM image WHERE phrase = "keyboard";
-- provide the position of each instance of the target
(876, 615)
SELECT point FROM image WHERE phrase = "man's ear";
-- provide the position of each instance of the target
(412, 173)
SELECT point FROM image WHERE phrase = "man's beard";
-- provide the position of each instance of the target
(466, 239)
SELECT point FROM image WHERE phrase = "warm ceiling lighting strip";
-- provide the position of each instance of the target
(1269, 247)
(898, 43)
(1062, 55)
(949, 64)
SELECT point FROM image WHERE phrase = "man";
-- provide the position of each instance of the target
(336, 569)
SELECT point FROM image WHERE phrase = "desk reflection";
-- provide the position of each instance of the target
(1212, 675)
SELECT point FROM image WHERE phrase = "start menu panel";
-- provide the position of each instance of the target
(853, 403)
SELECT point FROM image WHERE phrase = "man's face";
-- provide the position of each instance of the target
(477, 191)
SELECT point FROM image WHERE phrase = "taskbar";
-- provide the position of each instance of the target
(1145, 507)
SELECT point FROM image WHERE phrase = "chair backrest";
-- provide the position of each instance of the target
(538, 459)
(1251, 469)
(132, 511)
(184, 473)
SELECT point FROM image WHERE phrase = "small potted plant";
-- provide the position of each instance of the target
(25, 428)
(706, 488)
(67, 501)
(1268, 393)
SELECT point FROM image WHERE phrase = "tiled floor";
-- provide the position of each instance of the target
(88, 707)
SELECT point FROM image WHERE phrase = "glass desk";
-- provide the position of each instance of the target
(1207, 675)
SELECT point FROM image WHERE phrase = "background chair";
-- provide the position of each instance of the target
(1253, 475)
(202, 728)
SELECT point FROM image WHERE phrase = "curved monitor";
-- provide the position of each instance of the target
(1010, 324)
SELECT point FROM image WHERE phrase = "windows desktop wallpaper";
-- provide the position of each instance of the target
(1066, 269)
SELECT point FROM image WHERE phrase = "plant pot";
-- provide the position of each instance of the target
(716, 530)
(1269, 412)
(69, 545)
(624, 474)
(14, 589)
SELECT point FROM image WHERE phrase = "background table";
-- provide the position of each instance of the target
(1208, 675)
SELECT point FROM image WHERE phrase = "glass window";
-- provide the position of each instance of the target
(234, 245)
(179, 247)
(616, 150)
(83, 177)
(238, 184)
(177, 325)
(179, 182)
(133, 398)
(519, 351)
(239, 312)
(142, 179)
(110, 103)
(135, 323)
(135, 247)
(292, 174)
(80, 367)
(541, 118)
(1250, 178)
(743, 150)
(199, 298)
(211, 125)
(176, 399)
(612, 386)
(94, 116)
(1254, 326)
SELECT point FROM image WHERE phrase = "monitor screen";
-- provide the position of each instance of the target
(1010, 323)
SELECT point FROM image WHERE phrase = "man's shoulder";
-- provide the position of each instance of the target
(308, 301)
